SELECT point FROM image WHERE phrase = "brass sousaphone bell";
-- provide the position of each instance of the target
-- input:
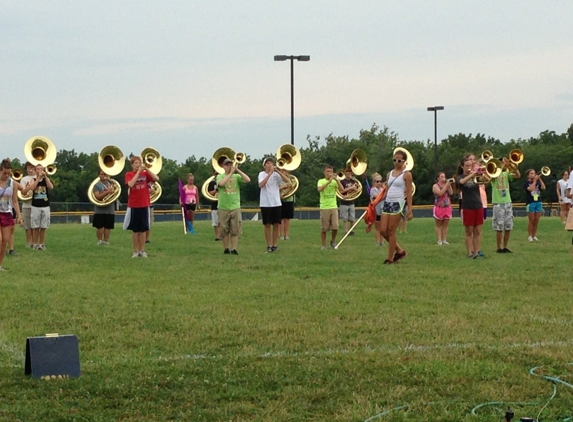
(289, 159)
(219, 157)
(358, 163)
(153, 161)
(111, 161)
(39, 150)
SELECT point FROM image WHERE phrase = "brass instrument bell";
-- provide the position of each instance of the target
(40, 150)
(155, 192)
(516, 156)
(17, 174)
(111, 160)
(205, 190)
(358, 162)
(152, 159)
(486, 156)
(51, 169)
(545, 171)
(288, 157)
(223, 154)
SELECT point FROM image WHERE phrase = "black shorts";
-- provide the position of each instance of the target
(287, 210)
(105, 221)
(190, 207)
(138, 219)
(271, 215)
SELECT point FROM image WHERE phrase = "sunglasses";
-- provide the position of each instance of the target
(397, 160)
(377, 181)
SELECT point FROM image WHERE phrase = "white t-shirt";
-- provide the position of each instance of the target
(270, 193)
(570, 186)
(562, 188)
(24, 182)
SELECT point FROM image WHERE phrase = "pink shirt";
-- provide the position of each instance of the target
(191, 194)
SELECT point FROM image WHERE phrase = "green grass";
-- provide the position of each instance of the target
(303, 334)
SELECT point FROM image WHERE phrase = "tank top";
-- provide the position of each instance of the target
(444, 200)
(6, 195)
(397, 189)
(190, 194)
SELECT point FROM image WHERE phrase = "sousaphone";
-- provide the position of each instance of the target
(40, 150)
(111, 161)
(289, 159)
(358, 163)
(153, 162)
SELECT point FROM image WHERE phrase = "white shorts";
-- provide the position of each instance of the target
(214, 218)
(40, 217)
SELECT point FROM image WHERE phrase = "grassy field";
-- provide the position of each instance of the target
(190, 334)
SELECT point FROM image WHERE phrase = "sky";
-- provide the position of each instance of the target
(187, 77)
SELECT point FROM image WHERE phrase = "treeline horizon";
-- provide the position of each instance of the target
(76, 171)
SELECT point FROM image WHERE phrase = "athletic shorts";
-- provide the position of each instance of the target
(534, 207)
(393, 208)
(502, 217)
(190, 207)
(347, 212)
(137, 220)
(214, 218)
(271, 215)
(287, 210)
(40, 217)
(329, 219)
(442, 213)
(6, 219)
(103, 221)
(471, 218)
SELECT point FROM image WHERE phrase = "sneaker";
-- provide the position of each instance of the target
(41, 247)
(274, 249)
(227, 251)
(135, 255)
(148, 241)
(535, 238)
(287, 238)
(387, 261)
(471, 256)
(476, 256)
(2, 269)
(100, 242)
(351, 233)
(269, 249)
(217, 239)
(104, 242)
(439, 243)
(35, 247)
(143, 254)
(333, 245)
(445, 242)
(505, 250)
(282, 237)
(500, 251)
(399, 256)
(11, 252)
(480, 254)
(324, 247)
(234, 252)
(530, 239)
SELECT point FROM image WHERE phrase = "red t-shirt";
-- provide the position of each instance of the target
(138, 196)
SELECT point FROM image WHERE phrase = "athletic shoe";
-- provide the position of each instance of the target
(41, 247)
(351, 233)
(399, 256)
(439, 243)
(100, 242)
(282, 237)
(35, 247)
(500, 251)
(333, 245)
(227, 251)
(505, 250)
(530, 239)
(480, 254)
(143, 254)
(103, 242)
(387, 261)
(148, 241)
(287, 238)
(324, 247)
(11, 252)
(135, 255)
(535, 238)
(2, 269)
(234, 252)
(471, 256)
(269, 249)
(445, 242)
(274, 249)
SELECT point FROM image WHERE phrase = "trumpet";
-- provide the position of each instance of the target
(451, 181)
(545, 171)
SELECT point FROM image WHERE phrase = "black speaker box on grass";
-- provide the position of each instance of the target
(53, 356)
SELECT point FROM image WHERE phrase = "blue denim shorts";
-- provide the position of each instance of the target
(534, 207)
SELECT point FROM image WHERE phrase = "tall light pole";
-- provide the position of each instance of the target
(435, 109)
(292, 59)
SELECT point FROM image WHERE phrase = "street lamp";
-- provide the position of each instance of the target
(292, 59)
(435, 109)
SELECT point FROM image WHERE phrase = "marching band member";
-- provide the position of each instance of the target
(137, 216)
(347, 208)
(191, 201)
(104, 216)
(212, 188)
(229, 207)
(270, 201)
(40, 215)
(533, 187)
(472, 216)
(8, 200)
(327, 188)
(27, 204)
(287, 209)
(564, 201)
(398, 195)
(374, 192)
(442, 212)
(502, 212)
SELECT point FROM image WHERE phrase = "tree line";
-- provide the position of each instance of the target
(76, 171)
